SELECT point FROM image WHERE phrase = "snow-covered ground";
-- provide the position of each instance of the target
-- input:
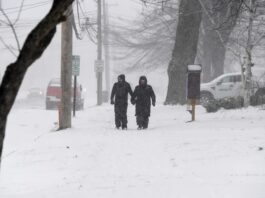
(221, 155)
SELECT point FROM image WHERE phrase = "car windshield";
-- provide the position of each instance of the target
(218, 79)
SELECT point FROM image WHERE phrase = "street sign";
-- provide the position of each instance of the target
(75, 65)
(99, 66)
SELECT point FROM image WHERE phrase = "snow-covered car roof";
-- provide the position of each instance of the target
(225, 75)
(56, 82)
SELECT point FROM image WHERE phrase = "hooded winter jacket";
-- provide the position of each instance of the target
(120, 91)
(142, 97)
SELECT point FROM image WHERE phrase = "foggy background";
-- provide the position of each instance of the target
(48, 66)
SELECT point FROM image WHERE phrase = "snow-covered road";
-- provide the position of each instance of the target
(221, 155)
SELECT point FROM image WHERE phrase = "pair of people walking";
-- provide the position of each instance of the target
(142, 97)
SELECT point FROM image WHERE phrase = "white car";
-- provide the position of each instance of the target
(229, 86)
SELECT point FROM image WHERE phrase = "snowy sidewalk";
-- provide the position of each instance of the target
(221, 155)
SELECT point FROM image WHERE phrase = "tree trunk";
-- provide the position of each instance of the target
(213, 55)
(2, 135)
(35, 44)
(213, 48)
(185, 50)
(204, 54)
(218, 59)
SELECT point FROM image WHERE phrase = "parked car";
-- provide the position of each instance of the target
(53, 95)
(229, 87)
(35, 93)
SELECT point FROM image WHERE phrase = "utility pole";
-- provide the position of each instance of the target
(99, 66)
(66, 72)
(106, 45)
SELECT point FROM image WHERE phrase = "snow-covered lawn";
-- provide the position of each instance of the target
(221, 155)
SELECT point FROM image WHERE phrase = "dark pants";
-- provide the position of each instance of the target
(142, 121)
(121, 116)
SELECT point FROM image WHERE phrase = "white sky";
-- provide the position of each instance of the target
(48, 66)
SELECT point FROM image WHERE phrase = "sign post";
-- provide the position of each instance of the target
(75, 73)
(99, 68)
(193, 87)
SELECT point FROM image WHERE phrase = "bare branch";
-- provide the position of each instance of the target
(11, 25)
(257, 41)
(217, 31)
(19, 12)
(7, 47)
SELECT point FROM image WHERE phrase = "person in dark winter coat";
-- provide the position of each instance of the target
(119, 97)
(143, 95)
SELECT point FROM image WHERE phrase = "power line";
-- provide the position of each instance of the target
(27, 5)
(87, 25)
(14, 10)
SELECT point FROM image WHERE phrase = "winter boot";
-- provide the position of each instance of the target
(140, 127)
(124, 128)
(145, 123)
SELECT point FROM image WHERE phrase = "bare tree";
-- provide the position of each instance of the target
(248, 35)
(148, 41)
(150, 44)
(219, 16)
(185, 50)
(254, 35)
(35, 44)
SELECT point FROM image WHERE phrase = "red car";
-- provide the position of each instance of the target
(53, 95)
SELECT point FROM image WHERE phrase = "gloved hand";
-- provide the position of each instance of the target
(154, 103)
(133, 102)
(112, 102)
